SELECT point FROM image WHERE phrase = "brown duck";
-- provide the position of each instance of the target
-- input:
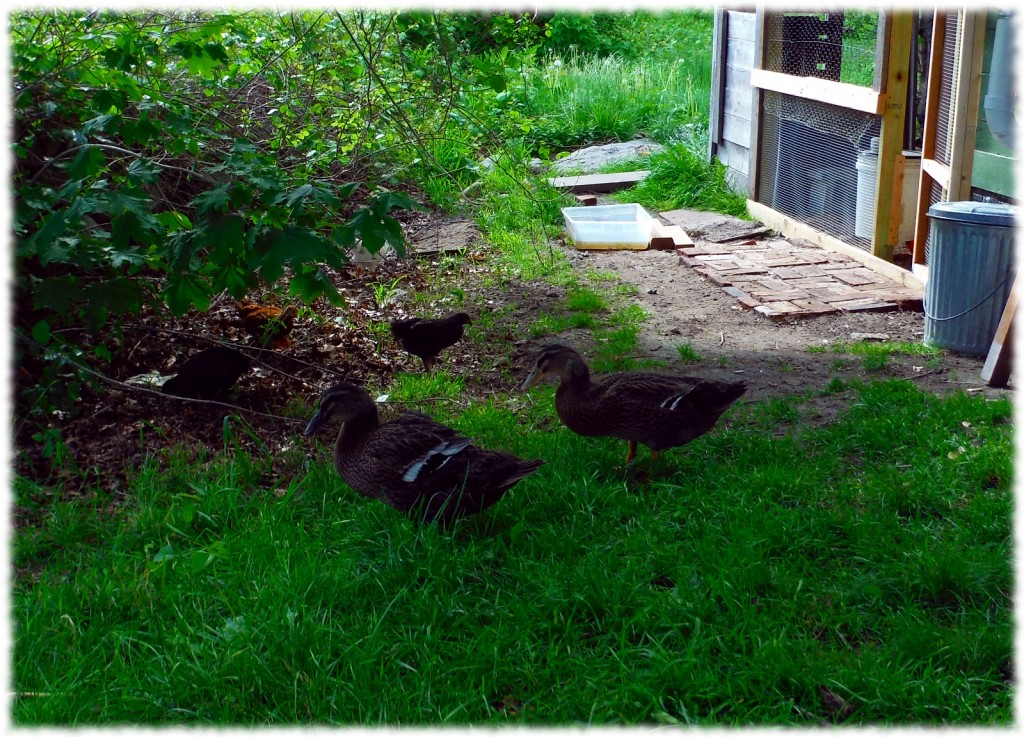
(658, 410)
(414, 464)
(426, 338)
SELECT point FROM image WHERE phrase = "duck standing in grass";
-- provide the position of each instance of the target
(416, 465)
(659, 410)
(426, 338)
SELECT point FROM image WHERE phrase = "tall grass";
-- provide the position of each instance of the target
(587, 98)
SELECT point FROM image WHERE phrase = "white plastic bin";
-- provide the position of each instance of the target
(609, 226)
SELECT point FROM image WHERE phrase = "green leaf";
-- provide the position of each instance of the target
(107, 100)
(41, 243)
(214, 200)
(346, 190)
(311, 283)
(117, 295)
(41, 332)
(293, 246)
(236, 280)
(185, 290)
(375, 230)
(198, 560)
(89, 162)
(216, 51)
(143, 171)
(165, 553)
(100, 123)
(117, 202)
(140, 132)
(172, 220)
(57, 294)
(297, 195)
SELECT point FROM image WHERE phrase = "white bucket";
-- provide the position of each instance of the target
(867, 180)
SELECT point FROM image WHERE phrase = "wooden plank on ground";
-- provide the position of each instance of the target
(668, 237)
(996, 371)
(734, 231)
(599, 182)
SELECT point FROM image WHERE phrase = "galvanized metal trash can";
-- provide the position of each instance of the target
(970, 270)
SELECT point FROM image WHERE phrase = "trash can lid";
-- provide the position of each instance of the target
(981, 213)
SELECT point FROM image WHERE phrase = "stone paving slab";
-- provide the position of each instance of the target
(789, 279)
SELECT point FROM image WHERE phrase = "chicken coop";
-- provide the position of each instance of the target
(845, 127)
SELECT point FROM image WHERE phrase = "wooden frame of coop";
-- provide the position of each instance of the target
(745, 50)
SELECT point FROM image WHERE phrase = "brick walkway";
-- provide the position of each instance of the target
(787, 279)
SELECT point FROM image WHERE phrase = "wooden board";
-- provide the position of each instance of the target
(996, 371)
(599, 182)
(734, 231)
(668, 237)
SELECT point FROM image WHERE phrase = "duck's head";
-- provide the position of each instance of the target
(460, 318)
(340, 403)
(557, 360)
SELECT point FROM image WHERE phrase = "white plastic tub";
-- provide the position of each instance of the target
(609, 226)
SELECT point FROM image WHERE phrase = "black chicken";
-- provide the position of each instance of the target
(426, 338)
(208, 374)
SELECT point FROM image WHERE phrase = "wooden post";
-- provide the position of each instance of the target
(996, 371)
(953, 176)
(756, 123)
(931, 118)
(719, 42)
(896, 61)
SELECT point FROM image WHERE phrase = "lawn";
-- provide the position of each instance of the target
(776, 571)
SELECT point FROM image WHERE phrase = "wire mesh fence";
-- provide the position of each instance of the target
(817, 166)
(837, 45)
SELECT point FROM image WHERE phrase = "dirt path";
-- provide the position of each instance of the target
(772, 357)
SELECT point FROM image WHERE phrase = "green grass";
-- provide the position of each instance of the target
(688, 354)
(877, 348)
(682, 177)
(766, 560)
(585, 98)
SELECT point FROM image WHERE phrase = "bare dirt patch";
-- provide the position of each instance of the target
(772, 357)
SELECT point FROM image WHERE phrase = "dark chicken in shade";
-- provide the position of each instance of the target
(426, 338)
(659, 410)
(414, 464)
(208, 374)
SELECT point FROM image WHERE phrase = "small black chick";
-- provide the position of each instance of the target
(427, 338)
(208, 374)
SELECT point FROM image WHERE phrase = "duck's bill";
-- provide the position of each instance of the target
(318, 419)
(535, 376)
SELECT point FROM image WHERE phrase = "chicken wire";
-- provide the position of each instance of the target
(808, 165)
(835, 44)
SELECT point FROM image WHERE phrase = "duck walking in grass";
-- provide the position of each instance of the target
(426, 338)
(416, 465)
(659, 410)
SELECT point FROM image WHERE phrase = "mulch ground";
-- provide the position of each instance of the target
(116, 424)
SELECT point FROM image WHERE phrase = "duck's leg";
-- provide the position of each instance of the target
(631, 453)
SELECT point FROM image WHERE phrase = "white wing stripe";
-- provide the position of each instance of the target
(445, 448)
